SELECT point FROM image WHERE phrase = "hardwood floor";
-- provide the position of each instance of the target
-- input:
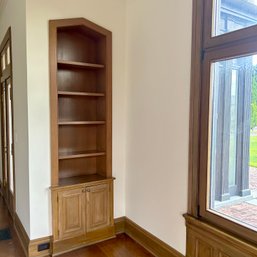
(121, 246)
(8, 248)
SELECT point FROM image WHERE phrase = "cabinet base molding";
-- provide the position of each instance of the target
(205, 240)
(30, 247)
(150, 242)
(68, 245)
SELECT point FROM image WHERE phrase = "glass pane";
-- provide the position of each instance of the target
(233, 140)
(3, 66)
(10, 141)
(8, 55)
(4, 135)
(231, 15)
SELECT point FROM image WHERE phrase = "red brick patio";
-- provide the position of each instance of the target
(245, 211)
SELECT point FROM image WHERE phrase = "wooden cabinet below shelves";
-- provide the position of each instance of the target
(84, 212)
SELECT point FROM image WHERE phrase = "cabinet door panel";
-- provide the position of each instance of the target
(71, 213)
(98, 207)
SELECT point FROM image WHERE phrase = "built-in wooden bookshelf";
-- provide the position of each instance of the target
(81, 131)
(81, 98)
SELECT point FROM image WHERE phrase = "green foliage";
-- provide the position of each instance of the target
(253, 115)
(253, 151)
(254, 99)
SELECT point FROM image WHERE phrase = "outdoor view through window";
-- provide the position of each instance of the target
(232, 15)
(233, 121)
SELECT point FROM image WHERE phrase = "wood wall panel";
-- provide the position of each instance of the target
(203, 249)
(205, 240)
(223, 255)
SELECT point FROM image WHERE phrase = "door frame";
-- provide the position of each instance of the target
(11, 199)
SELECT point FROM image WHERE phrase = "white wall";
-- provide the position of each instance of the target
(109, 14)
(13, 13)
(151, 64)
(158, 54)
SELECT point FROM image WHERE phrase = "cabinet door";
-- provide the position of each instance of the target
(71, 213)
(99, 204)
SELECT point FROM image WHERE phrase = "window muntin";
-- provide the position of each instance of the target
(232, 15)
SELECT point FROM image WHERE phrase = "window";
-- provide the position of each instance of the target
(232, 15)
(224, 118)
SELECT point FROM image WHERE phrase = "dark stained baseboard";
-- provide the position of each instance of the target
(150, 242)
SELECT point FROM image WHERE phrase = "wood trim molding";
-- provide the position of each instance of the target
(21, 234)
(33, 247)
(119, 225)
(150, 242)
(74, 243)
(122, 225)
(204, 239)
(30, 247)
(195, 92)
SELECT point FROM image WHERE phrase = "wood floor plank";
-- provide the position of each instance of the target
(123, 246)
(89, 251)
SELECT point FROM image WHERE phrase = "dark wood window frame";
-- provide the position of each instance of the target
(205, 50)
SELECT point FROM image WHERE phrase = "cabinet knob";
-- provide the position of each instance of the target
(83, 190)
(88, 189)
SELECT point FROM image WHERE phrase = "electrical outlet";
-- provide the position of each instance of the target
(43, 247)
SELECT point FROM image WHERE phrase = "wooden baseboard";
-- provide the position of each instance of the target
(122, 225)
(30, 247)
(21, 234)
(150, 242)
(119, 224)
(33, 247)
(93, 237)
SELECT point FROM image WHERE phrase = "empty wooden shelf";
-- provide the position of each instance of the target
(81, 122)
(83, 65)
(74, 155)
(85, 94)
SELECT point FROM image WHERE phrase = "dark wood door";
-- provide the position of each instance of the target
(7, 128)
